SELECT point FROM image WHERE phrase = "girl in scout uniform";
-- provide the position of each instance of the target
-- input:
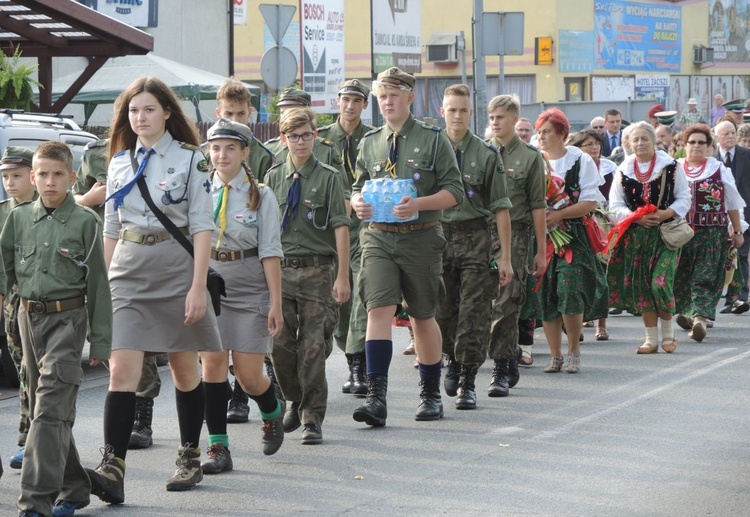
(246, 249)
(159, 294)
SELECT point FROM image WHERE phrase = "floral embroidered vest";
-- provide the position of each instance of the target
(634, 190)
(708, 202)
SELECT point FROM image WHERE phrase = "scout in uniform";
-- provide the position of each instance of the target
(464, 315)
(314, 237)
(246, 249)
(52, 250)
(346, 133)
(159, 294)
(16, 170)
(735, 110)
(526, 188)
(404, 258)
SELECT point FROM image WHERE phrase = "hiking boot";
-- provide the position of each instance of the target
(67, 508)
(291, 420)
(431, 406)
(312, 434)
(375, 410)
(108, 479)
(514, 374)
(188, 473)
(273, 434)
(500, 386)
(359, 374)
(141, 435)
(347, 386)
(16, 461)
(272, 375)
(467, 396)
(238, 410)
(452, 376)
(219, 460)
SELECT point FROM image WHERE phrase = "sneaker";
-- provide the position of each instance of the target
(312, 434)
(65, 508)
(219, 460)
(16, 461)
(108, 479)
(273, 434)
(188, 473)
(239, 410)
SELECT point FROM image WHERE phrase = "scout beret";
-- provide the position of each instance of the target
(294, 97)
(397, 78)
(228, 129)
(16, 157)
(736, 105)
(653, 110)
(665, 118)
(354, 87)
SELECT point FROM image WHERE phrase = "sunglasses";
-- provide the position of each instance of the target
(697, 142)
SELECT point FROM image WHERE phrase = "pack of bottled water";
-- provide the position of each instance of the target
(385, 193)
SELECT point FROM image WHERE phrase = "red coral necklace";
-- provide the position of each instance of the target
(643, 177)
(694, 172)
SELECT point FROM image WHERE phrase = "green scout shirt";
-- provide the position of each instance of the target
(525, 177)
(481, 167)
(93, 169)
(321, 207)
(424, 154)
(45, 254)
(9, 204)
(259, 160)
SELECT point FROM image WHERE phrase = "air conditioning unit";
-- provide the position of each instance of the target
(441, 48)
(702, 54)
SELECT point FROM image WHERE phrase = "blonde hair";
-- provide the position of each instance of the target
(510, 103)
(460, 90)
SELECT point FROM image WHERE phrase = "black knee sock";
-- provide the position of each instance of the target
(266, 401)
(216, 407)
(190, 410)
(119, 414)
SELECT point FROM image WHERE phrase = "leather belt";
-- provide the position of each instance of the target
(36, 307)
(297, 262)
(149, 239)
(403, 228)
(231, 256)
(473, 224)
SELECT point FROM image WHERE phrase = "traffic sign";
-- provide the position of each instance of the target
(278, 67)
(278, 18)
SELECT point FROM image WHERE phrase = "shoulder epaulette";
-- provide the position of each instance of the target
(274, 166)
(329, 168)
(425, 125)
(530, 146)
(120, 153)
(272, 140)
(262, 146)
(88, 210)
(372, 131)
(98, 143)
(368, 128)
(2, 202)
(192, 147)
(489, 146)
(327, 142)
(326, 128)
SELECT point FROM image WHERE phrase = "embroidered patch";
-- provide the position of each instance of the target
(203, 166)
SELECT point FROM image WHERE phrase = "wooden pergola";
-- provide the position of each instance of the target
(64, 28)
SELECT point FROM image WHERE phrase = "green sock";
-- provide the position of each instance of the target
(270, 416)
(221, 439)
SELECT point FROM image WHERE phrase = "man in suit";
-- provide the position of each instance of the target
(612, 137)
(737, 158)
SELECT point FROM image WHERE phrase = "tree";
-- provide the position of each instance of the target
(15, 81)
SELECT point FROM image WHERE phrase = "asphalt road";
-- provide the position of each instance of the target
(629, 435)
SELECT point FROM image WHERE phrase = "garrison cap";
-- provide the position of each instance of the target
(294, 97)
(395, 77)
(665, 118)
(653, 110)
(736, 105)
(354, 87)
(16, 157)
(228, 129)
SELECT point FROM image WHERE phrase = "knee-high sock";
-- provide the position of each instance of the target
(216, 407)
(119, 413)
(190, 410)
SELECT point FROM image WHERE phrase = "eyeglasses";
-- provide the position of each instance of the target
(294, 138)
(592, 144)
(597, 127)
(697, 142)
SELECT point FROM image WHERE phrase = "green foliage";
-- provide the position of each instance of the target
(16, 81)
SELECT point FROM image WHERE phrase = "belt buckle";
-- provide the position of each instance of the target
(295, 262)
(455, 227)
(404, 228)
(149, 239)
(223, 256)
(37, 307)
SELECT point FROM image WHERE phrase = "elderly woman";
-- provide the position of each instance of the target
(641, 268)
(715, 202)
(573, 285)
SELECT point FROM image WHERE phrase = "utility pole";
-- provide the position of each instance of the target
(480, 73)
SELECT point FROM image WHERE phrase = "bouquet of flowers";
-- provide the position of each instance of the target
(557, 199)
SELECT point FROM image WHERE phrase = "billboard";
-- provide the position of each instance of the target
(137, 14)
(322, 31)
(575, 51)
(637, 37)
(727, 26)
(397, 35)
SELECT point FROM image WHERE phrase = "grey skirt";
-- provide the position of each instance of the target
(243, 323)
(149, 285)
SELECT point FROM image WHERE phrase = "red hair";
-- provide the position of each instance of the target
(557, 120)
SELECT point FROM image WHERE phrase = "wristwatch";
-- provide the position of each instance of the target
(738, 233)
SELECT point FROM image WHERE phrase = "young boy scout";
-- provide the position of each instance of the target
(315, 236)
(346, 133)
(404, 258)
(526, 188)
(52, 249)
(16, 170)
(464, 315)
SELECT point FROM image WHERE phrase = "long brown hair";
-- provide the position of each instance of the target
(123, 137)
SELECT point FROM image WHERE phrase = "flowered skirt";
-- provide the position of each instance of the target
(641, 272)
(700, 273)
(578, 287)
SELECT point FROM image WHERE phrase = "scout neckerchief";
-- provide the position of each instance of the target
(292, 198)
(390, 166)
(220, 211)
(347, 155)
(458, 155)
(119, 195)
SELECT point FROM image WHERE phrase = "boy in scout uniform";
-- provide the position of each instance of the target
(52, 249)
(526, 189)
(314, 238)
(16, 170)
(464, 314)
(404, 261)
(346, 133)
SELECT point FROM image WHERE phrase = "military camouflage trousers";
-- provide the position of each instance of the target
(301, 349)
(464, 313)
(13, 336)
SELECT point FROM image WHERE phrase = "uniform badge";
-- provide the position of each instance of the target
(473, 164)
(309, 215)
(207, 186)
(314, 189)
(203, 166)
(416, 149)
(518, 162)
(470, 192)
(467, 177)
(416, 176)
(377, 168)
(170, 170)
(165, 200)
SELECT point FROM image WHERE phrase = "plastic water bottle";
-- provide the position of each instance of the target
(367, 195)
(402, 189)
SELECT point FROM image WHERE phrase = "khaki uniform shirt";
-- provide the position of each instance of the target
(93, 169)
(525, 178)
(59, 256)
(6, 205)
(481, 167)
(321, 207)
(259, 160)
(425, 155)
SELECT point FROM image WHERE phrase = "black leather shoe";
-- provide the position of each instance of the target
(514, 375)
(238, 410)
(740, 307)
(431, 406)
(500, 386)
(615, 312)
(727, 308)
(312, 434)
(359, 374)
(467, 396)
(291, 420)
(374, 411)
(452, 376)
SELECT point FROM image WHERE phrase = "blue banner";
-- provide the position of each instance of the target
(575, 51)
(638, 37)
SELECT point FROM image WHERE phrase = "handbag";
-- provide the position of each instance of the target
(214, 282)
(597, 237)
(677, 232)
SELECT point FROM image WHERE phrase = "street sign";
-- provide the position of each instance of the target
(278, 18)
(502, 34)
(278, 67)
